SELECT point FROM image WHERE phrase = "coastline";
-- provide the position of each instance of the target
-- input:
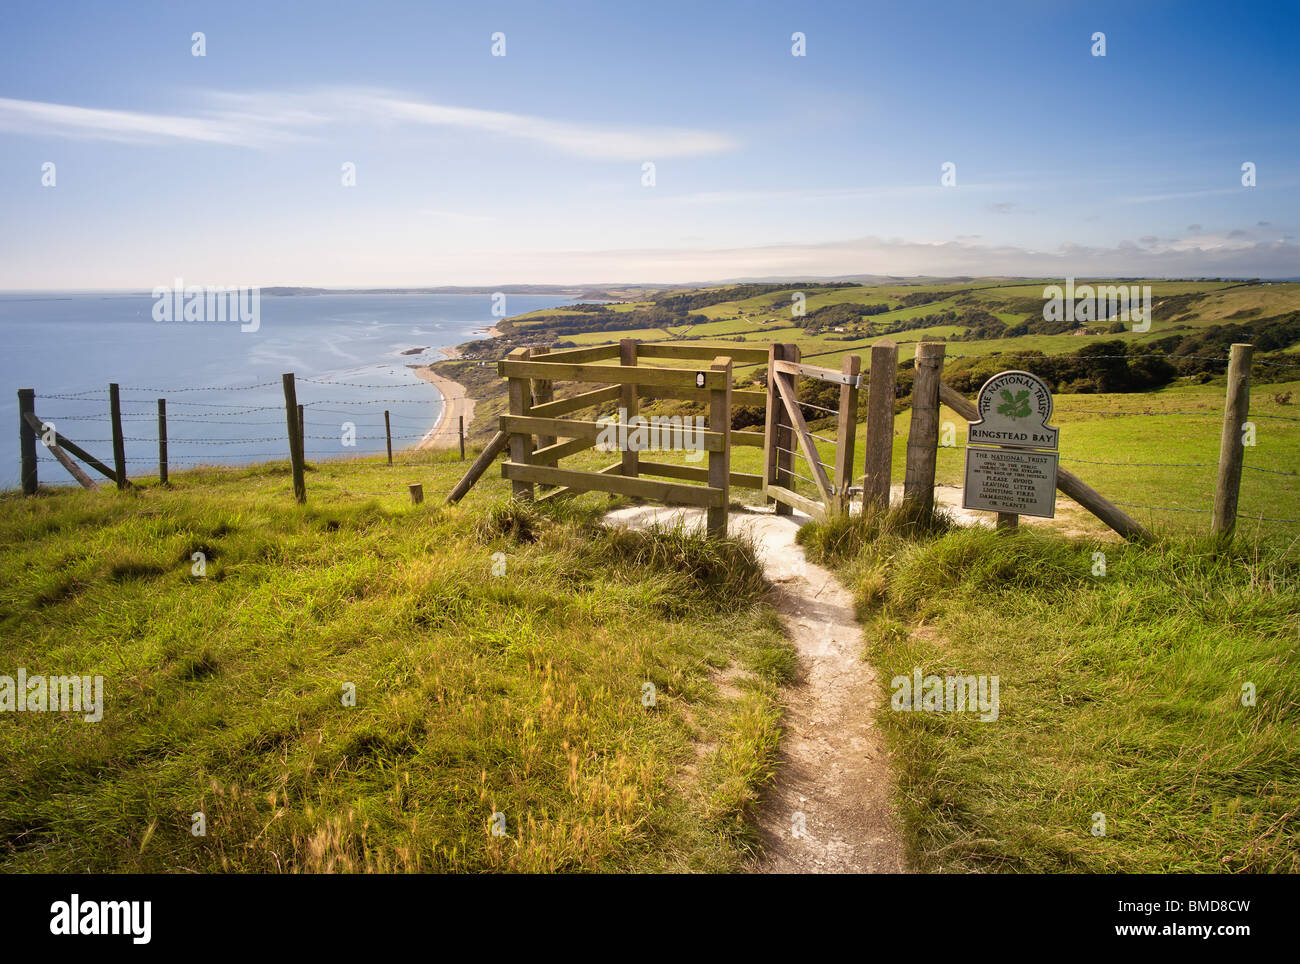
(455, 352)
(456, 403)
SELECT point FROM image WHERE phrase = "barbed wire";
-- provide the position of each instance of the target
(1160, 508)
(1150, 412)
(1147, 465)
(1260, 468)
(325, 381)
(1241, 515)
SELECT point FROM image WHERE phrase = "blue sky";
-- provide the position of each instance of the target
(483, 170)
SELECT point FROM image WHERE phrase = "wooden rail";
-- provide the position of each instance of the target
(581, 481)
(680, 378)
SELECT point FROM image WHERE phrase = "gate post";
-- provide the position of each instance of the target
(630, 405)
(720, 459)
(771, 424)
(880, 425)
(848, 429)
(778, 439)
(520, 445)
(923, 438)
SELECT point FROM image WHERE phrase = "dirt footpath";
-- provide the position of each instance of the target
(828, 810)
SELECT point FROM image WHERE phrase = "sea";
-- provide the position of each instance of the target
(222, 384)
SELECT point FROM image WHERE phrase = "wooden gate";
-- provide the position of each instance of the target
(788, 436)
(534, 414)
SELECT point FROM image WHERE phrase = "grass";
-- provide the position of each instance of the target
(499, 656)
(1121, 694)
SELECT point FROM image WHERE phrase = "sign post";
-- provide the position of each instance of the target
(1011, 452)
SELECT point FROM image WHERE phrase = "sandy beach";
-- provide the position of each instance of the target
(446, 434)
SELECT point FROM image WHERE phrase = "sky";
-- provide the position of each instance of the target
(477, 169)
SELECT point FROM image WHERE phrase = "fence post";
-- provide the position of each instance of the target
(923, 438)
(295, 437)
(417, 492)
(1236, 409)
(627, 356)
(460, 420)
(302, 429)
(880, 426)
(27, 439)
(162, 441)
(847, 435)
(771, 429)
(720, 460)
(119, 444)
(388, 436)
(520, 444)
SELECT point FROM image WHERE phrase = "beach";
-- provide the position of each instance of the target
(456, 403)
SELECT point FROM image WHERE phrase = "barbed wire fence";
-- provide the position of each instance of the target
(365, 419)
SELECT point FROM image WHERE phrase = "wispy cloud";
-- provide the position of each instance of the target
(605, 142)
(92, 123)
(901, 257)
(808, 195)
(263, 119)
(1179, 195)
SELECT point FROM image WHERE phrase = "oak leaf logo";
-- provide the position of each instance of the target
(1014, 407)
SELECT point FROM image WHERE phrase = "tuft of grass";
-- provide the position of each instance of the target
(845, 536)
(723, 568)
(514, 520)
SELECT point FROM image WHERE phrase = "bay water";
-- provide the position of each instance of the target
(225, 402)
